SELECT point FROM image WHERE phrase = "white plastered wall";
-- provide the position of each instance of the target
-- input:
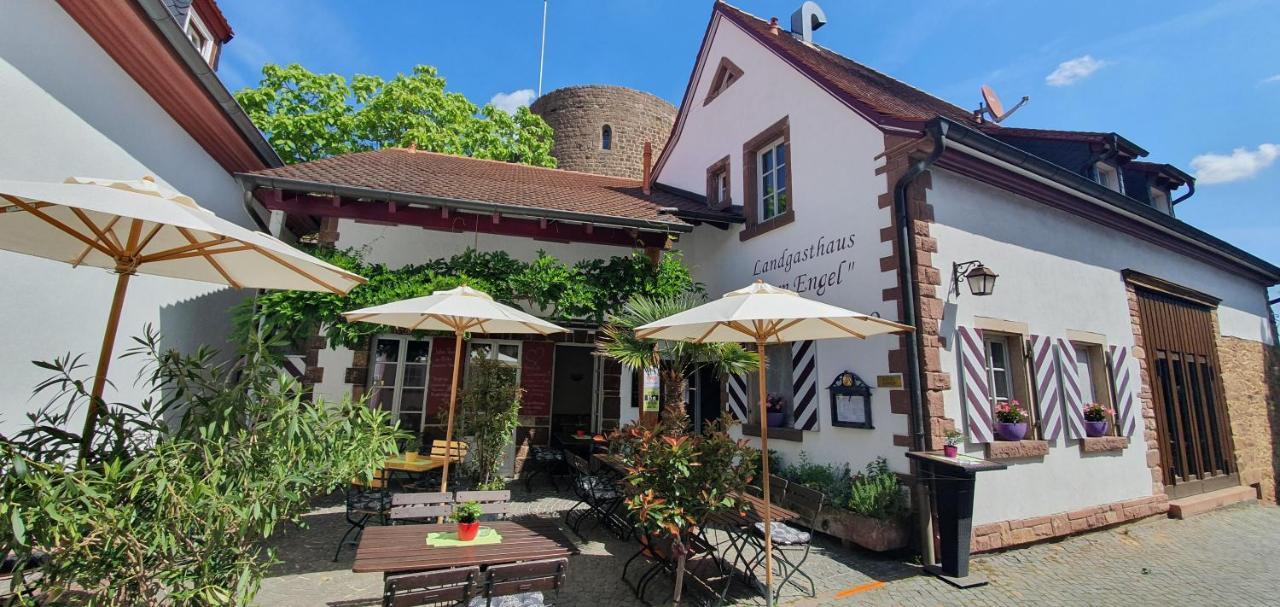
(69, 109)
(835, 190)
(1060, 272)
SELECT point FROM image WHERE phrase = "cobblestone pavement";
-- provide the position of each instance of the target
(1226, 557)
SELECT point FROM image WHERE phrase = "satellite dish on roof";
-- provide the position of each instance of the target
(991, 106)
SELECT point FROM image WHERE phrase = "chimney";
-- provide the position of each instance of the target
(773, 25)
(806, 19)
(648, 167)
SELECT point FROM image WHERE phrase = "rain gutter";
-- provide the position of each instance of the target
(906, 284)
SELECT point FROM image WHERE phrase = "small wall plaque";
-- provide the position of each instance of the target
(850, 401)
(893, 380)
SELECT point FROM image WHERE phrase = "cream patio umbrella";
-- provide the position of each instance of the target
(459, 311)
(763, 314)
(132, 227)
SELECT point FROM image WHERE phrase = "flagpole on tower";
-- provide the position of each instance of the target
(542, 53)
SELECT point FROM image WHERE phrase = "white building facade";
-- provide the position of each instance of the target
(118, 97)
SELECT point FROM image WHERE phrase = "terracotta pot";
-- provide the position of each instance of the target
(775, 420)
(468, 531)
(1011, 432)
(950, 450)
(581, 433)
(1095, 429)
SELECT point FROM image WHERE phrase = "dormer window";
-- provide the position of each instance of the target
(1107, 175)
(198, 34)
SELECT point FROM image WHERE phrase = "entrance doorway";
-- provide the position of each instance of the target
(573, 390)
(702, 404)
(1191, 421)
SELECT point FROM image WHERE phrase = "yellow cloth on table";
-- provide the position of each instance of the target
(446, 539)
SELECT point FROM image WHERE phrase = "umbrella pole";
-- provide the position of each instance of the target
(764, 463)
(104, 361)
(453, 399)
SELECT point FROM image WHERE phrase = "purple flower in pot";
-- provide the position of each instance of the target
(1011, 421)
(775, 410)
(1096, 419)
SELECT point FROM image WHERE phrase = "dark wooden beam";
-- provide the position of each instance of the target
(444, 220)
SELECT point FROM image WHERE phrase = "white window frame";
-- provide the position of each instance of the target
(1084, 354)
(722, 186)
(194, 22)
(761, 173)
(1007, 370)
(401, 361)
(1108, 176)
(499, 342)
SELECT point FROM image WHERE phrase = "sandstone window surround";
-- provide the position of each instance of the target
(726, 74)
(1009, 378)
(719, 185)
(767, 198)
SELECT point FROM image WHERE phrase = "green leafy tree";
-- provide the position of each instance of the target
(545, 286)
(675, 360)
(306, 116)
(178, 496)
(489, 412)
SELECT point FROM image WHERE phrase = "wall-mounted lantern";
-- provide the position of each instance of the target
(850, 401)
(981, 279)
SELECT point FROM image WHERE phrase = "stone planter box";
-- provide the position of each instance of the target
(852, 528)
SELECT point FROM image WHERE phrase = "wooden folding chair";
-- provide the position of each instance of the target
(494, 504)
(530, 584)
(444, 587)
(420, 506)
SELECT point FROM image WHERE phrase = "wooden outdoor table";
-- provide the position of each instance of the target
(398, 463)
(403, 548)
(611, 462)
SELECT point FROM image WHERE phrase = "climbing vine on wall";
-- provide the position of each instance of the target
(545, 286)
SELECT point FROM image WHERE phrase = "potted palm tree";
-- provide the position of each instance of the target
(675, 360)
(467, 516)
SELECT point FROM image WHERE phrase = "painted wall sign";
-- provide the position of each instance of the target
(815, 278)
(893, 380)
(652, 391)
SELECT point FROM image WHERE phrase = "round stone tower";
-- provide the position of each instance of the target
(602, 129)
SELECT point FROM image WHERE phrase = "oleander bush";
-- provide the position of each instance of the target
(179, 490)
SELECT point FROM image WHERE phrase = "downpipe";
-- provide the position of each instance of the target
(906, 285)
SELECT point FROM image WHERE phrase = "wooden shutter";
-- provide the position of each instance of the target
(974, 388)
(1122, 388)
(737, 392)
(1044, 367)
(1072, 396)
(804, 383)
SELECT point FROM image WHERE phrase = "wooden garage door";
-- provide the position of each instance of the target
(1195, 440)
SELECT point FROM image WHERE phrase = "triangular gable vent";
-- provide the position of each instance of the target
(726, 74)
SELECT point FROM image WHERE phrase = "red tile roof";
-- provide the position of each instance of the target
(416, 173)
(887, 98)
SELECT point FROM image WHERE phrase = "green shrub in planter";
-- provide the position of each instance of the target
(876, 492)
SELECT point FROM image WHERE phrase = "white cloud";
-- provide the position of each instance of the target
(1074, 70)
(1241, 164)
(510, 102)
(1270, 80)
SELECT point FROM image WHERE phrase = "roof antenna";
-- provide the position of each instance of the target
(992, 107)
(542, 52)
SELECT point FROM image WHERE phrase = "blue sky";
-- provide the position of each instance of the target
(1195, 83)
